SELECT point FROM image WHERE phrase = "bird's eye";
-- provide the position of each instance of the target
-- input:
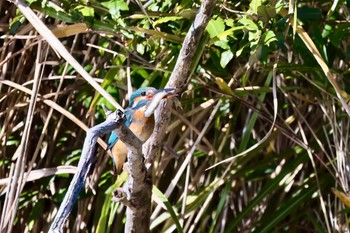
(143, 93)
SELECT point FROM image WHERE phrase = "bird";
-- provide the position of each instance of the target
(137, 122)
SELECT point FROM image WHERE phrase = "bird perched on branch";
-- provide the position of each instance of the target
(140, 120)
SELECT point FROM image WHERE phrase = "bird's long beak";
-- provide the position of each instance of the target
(166, 93)
(157, 97)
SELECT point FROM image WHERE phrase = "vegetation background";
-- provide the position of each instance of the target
(261, 98)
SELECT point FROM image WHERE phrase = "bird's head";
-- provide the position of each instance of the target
(144, 95)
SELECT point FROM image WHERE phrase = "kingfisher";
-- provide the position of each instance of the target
(139, 123)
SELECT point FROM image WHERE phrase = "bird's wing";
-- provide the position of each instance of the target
(113, 138)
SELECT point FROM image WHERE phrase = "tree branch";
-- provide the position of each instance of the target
(138, 192)
(181, 73)
(113, 120)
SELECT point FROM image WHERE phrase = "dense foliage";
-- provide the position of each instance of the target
(267, 96)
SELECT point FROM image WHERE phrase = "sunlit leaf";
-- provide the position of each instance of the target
(223, 86)
(115, 7)
(86, 11)
(166, 19)
(253, 6)
(215, 27)
(222, 44)
(345, 199)
(249, 24)
(226, 57)
(269, 36)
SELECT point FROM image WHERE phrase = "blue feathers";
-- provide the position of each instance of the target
(140, 92)
(129, 112)
(113, 138)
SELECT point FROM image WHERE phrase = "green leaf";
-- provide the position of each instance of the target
(226, 57)
(239, 51)
(253, 6)
(168, 206)
(265, 13)
(249, 24)
(215, 27)
(229, 22)
(326, 30)
(269, 36)
(86, 11)
(166, 19)
(229, 32)
(254, 37)
(140, 48)
(222, 44)
(115, 6)
(16, 23)
(224, 86)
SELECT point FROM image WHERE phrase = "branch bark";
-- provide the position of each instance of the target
(180, 75)
(137, 194)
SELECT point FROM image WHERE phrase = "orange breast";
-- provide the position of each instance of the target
(119, 153)
(142, 126)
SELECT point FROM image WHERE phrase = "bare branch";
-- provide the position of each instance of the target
(138, 192)
(113, 120)
(182, 71)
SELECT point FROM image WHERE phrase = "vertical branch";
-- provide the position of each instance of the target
(138, 191)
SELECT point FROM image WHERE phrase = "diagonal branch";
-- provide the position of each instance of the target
(182, 72)
(179, 77)
(114, 120)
